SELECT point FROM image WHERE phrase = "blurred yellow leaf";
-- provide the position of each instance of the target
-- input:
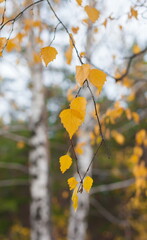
(140, 136)
(97, 78)
(87, 183)
(75, 29)
(138, 151)
(136, 49)
(20, 145)
(79, 148)
(68, 53)
(133, 13)
(48, 54)
(72, 118)
(79, 2)
(1, 1)
(135, 117)
(92, 13)
(72, 182)
(65, 163)
(75, 198)
(119, 138)
(82, 73)
(2, 44)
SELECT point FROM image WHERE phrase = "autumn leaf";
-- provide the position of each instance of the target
(2, 44)
(48, 54)
(1, 1)
(136, 49)
(133, 13)
(68, 53)
(140, 136)
(65, 163)
(72, 118)
(75, 29)
(97, 78)
(92, 13)
(82, 73)
(79, 2)
(87, 183)
(75, 198)
(72, 182)
(119, 138)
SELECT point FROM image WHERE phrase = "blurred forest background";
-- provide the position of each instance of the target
(117, 44)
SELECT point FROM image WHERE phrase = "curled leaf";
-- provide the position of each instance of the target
(75, 198)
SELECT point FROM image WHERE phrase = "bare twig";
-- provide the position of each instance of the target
(113, 186)
(106, 214)
(14, 166)
(13, 182)
(13, 136)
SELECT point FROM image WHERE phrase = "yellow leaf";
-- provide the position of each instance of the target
(75, 29)
(140, 136)
(92, 13)
(48, 54)
(135, 117)
(133, 13)
(138, 151)
(79, 2)
(72, 118)
(87, 183)
(97, 78)
(11, 45)
(72, 182)
(20, 145)
(79, 148)
(136, 49)
(119, 138)
(65, 163)
(82, 73)
(68, 53)
(1, 1)
(2, 44)
(75, 198)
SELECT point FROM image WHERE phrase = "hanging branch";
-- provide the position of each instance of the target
(3, 15)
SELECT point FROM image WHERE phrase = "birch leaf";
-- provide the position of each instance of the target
(1, 1)
(48, 54)
(65, 163)
(79, 2)
(87, 183)
(72, 182)
(72, 118)
(82, 73)
(75, 198)
(2, 44)
(92, 13)
(97, 78)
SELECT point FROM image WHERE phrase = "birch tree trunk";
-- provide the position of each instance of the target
(78, 220)
(39, 154)
(39, 161)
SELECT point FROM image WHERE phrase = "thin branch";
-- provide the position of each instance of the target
(113, 186)
(3, 15)
(14, 166)
(106, 214)
(76, 160)
(13, 136)
(13, 182)
(20, 14)
(65, 30)
(98, 120)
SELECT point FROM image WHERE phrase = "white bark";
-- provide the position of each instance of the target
(39, 161)
(78, 220)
